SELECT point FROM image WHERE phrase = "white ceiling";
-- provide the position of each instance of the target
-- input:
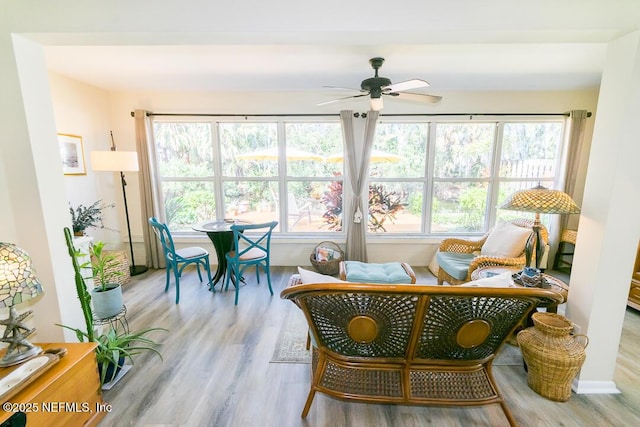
(555, 48)
(310, 67)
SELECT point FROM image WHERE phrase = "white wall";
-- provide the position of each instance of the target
(83, 110)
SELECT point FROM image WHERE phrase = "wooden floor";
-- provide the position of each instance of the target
(216, 370)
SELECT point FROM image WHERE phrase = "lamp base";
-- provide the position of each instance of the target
(15, 335)
(137, 269)
(18, 357)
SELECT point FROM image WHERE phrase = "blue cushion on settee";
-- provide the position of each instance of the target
(388, 273)
(456, 264)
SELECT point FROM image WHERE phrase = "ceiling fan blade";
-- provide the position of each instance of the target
(406, 85)
(420, 97)
(344, 88)
(342, 99)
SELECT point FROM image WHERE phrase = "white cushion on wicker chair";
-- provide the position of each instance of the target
(506, 240)
(503, 280)
(312, 277)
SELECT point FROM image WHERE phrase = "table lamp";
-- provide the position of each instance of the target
(539, 199)
(119, 161)
(18, 283)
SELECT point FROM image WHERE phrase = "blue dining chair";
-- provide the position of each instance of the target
(249, 249)
(178, 259)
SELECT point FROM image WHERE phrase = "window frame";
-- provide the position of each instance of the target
(428, 180)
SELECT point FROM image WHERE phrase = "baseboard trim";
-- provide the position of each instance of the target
(594, 387)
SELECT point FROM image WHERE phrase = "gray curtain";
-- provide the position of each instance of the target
(149, 204)
(358, 138)
(577, 119)
(575, 145)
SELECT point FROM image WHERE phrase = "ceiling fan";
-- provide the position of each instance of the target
(376, 86)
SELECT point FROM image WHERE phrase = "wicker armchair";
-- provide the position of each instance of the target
(410, 344)
(462, 246)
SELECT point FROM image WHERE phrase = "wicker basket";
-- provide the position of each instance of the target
(552, 354)
(331, 266)
(119, 265)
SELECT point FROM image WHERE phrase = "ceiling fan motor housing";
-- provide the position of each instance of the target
(374, 85)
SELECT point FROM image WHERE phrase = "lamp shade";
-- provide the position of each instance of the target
(18, 281)
(540, 199)
(114, 161)
(376, 104)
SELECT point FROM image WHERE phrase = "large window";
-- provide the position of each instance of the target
(426, 176)
(257, 171)
(397, 178)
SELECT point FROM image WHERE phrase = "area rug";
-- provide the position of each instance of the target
(292, 342)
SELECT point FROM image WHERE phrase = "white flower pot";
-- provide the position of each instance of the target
(107, 303)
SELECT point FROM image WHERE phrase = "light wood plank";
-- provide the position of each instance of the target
(216, 370)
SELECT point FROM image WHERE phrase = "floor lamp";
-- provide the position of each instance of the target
(539, 199)
(119, 161)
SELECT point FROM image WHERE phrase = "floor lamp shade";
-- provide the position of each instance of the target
(539, 200)
(119, 161)
(114, 161)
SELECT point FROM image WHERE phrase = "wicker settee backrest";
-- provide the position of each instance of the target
(413, 322)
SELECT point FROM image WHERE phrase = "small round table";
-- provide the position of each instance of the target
(557, 285)
(219, 231)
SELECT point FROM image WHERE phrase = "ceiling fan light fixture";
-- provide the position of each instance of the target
(377, 87)
(376, 104)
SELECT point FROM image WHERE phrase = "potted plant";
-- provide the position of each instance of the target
(106, 296)
(84, 217)
(113, 347)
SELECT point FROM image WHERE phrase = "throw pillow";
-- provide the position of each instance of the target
(313, 277)
(433, 264)
(503, 280)
(506, 240)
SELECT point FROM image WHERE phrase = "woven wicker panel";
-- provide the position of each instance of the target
(118, 270)
(446, 315)
(393, 314)
(364, 382)
(463, 385)
(569, 236)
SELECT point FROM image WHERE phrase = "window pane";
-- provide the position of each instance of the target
(188, 203)
(252, 201)
(400, 150)
(314, 206)
(458, 207)
(308, 144)
(184, 149)
(529, 150)
(463, 150)
(395, 207)
(249, 149)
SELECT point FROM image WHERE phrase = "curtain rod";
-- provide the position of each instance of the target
(325, 115)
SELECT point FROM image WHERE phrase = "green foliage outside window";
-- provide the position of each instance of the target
(383, 207)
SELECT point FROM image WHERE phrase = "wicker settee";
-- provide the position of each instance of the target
(410, 344)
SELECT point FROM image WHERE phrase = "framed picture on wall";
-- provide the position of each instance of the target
(72, 154)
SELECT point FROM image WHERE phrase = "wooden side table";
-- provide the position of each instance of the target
(67, 394)
(557, 285)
